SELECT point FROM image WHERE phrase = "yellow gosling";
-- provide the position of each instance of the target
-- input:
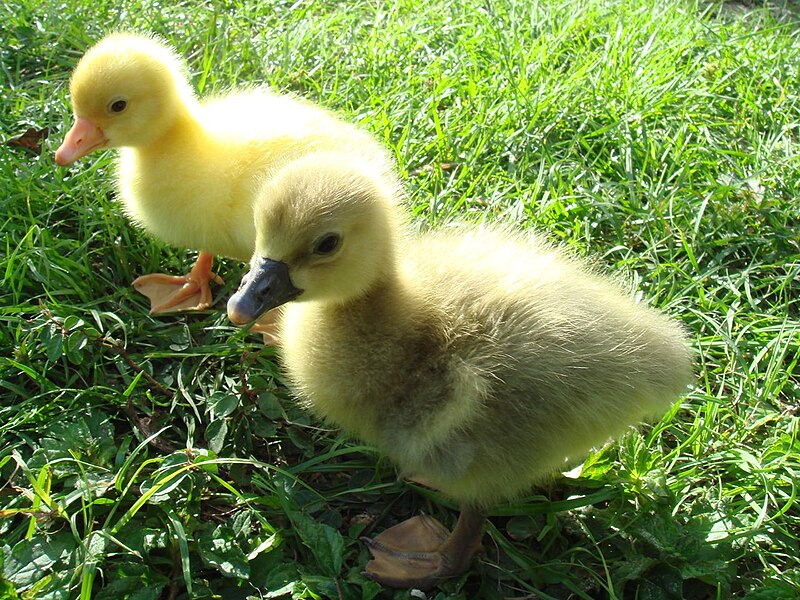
(479, 360)
(188, 168)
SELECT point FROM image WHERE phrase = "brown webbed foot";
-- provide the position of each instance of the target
(421, 553)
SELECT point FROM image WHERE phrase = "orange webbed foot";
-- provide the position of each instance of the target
(267, 326)
(174, 293)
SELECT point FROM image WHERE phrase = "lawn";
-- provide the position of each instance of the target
(164, 457)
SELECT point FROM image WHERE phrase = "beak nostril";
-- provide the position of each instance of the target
(263, 293)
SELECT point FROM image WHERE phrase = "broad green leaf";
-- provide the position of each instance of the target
(76, 342)
(324, 587)
(204, 459)
(774, 590)
(31, 560)
(242, 524)
(72, 322)
(268, 544)
(269, 406)
(215, 434)
(222, 404)
(144, 539)
(324, 541)
(128, 588)
(301, 440)
(662, 582)
(282, 580)
(53, 587)
(263, 427)
(220, 549)
(54, 349)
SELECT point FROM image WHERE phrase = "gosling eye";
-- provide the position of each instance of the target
(327, 244)
(117, 106)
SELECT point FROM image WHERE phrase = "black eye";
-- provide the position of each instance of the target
(117, 106)
(327, 244)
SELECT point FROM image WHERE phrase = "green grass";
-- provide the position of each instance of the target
(164, 458)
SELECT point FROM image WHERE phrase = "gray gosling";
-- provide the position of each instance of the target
(477, 359)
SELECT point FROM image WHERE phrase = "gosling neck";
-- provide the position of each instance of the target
(176, 132)
(385, 304)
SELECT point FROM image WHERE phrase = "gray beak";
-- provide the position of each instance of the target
(266, 286)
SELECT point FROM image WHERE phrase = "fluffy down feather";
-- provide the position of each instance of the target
(189, 168)
(478, 359)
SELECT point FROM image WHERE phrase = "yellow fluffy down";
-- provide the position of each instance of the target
(479, 360)
(189, 168)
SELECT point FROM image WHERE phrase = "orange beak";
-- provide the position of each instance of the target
(84, 137)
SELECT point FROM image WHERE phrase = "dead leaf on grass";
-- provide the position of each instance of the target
(30, 141)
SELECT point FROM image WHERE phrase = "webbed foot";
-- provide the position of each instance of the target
(421, 553)
(267, 326)
(171, 293)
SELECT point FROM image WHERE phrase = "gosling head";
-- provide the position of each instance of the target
(325, 230)
(126, 91)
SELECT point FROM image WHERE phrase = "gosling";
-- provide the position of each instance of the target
(479, 360)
